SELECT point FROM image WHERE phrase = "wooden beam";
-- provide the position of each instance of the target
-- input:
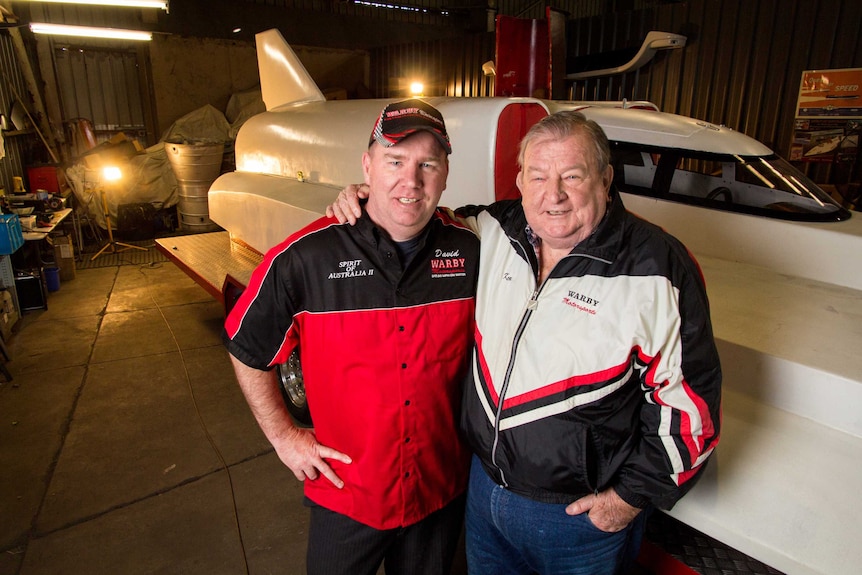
(42, 125)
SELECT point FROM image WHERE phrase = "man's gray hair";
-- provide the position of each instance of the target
(568, 123)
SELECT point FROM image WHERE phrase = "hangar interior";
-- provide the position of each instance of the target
(126, 445)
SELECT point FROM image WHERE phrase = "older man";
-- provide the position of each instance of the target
(595, 389)
(383, 313)
(596, 385)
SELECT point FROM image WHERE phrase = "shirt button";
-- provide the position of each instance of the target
(400, 328)
(407, 402)
(403, 366)
(406, 440)
(406, 475)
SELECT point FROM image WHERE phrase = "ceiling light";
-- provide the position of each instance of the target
(88, 32)
(161, 4)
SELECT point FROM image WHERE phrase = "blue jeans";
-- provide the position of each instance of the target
(508, 534)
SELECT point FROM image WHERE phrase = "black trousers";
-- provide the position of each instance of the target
(338, 545)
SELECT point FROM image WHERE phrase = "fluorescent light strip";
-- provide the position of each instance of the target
(89, 32)
(160, 4)
(390, 6)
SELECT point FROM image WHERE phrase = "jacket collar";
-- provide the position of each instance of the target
(606, 240)
(377, 236)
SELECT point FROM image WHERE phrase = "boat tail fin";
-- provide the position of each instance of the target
(283, 78)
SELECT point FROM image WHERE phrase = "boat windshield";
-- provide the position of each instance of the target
(758, 185)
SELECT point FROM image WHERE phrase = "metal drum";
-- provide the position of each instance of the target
(196, 166)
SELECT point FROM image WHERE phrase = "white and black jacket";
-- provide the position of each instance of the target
(605, 375)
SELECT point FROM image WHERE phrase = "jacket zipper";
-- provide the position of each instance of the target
(532, 304)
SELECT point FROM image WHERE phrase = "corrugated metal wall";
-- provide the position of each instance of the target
(17, 146)
(414, 11)
(438, 11)
(741, 67)
(446, 68)
(83, 15)
(742, 64)
(101, 86)
(97, 79)
(465, 78)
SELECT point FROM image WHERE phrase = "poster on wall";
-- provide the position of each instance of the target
(828, 116)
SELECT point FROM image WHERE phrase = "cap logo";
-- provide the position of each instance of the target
(409, 111)
(402, 119)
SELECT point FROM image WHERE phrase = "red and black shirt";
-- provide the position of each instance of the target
(384, 350)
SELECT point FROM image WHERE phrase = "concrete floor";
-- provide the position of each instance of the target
(115, 433)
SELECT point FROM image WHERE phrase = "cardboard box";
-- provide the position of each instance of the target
(64, 256)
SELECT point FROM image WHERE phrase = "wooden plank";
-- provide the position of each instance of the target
(210, 258)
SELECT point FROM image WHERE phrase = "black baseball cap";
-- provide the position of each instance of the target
(401, 119)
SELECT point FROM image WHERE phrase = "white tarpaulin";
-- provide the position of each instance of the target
(147, 176)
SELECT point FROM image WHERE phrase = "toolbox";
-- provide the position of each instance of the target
(11, 237)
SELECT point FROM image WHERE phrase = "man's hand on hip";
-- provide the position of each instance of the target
(301, 452)
(606, 509)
